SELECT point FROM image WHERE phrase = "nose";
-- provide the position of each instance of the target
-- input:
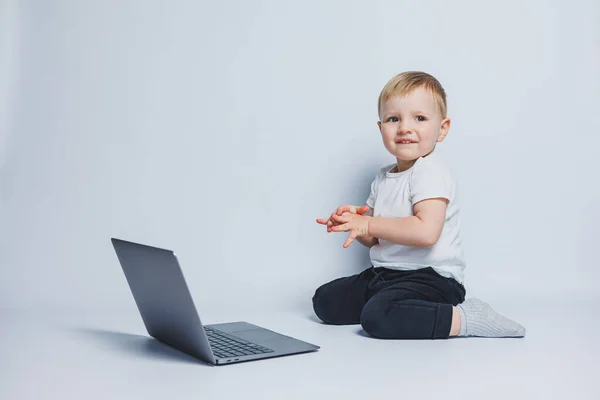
(404, 128)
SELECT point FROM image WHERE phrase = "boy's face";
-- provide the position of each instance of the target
(411, 126)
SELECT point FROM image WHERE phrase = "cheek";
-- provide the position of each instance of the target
(431, 135)
(389, 133)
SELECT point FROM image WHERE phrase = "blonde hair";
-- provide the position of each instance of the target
(405, 82)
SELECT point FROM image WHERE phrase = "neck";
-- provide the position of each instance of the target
(402, 165)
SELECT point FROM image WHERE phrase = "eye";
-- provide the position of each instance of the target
(420, 118)
(393, 119)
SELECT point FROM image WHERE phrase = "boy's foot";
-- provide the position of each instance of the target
(478, 319)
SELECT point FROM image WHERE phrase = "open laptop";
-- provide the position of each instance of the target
(169, 314)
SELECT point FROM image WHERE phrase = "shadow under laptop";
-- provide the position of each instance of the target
(137, 345)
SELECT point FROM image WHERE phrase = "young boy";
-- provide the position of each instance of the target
(414, 289)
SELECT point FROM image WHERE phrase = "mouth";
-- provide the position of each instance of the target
(405, 141)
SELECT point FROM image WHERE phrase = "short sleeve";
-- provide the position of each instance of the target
(431, 180)
(374, 187)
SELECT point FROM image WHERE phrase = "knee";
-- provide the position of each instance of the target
(322, 305)
(373, 319)
(406, 319)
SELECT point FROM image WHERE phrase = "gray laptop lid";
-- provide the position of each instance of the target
(163, 298)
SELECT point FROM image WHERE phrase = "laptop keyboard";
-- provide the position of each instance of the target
(226, 346)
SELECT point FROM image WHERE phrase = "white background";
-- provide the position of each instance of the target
(223, 129)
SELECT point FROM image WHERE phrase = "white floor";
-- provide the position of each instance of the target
(75, 355)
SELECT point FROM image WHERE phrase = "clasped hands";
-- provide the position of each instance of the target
(348, 218)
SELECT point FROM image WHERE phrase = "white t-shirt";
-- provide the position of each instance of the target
(394, 194)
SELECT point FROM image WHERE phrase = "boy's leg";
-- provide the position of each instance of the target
(340, 302)
(419, 306)
(392, 315)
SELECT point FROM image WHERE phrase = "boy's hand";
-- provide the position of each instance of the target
(357, 224)
(331, 222)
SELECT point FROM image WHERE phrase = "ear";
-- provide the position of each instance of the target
(444, 128)
(379, 126)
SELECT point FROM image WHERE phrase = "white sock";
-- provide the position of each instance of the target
(477, 318)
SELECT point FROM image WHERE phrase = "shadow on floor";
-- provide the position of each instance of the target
(314, 318)
(136, 345)
(360, 331)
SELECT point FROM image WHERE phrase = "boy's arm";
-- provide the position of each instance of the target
(421, 229)
(368, 241)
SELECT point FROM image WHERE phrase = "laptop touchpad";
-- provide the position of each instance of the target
(256, 335)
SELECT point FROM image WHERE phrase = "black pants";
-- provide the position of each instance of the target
(391, 304)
